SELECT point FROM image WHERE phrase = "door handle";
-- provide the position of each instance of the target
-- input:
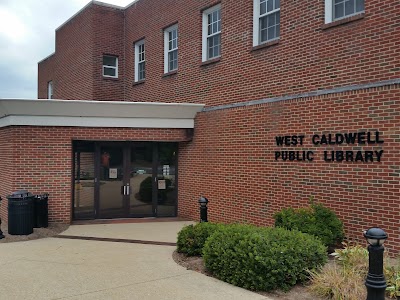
(125, 190)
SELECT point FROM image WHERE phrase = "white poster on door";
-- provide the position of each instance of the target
(113, 173)
(162, 185)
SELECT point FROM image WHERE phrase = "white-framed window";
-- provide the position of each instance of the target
(266, 21)
(211, 41)
(110, 66)
(50, 90)
(140, 61)
(339, 9)
(171, 49)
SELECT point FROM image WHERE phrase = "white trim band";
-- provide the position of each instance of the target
(80, 113)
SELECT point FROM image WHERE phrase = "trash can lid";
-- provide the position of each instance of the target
(21, 194)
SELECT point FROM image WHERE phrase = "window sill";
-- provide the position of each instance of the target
(343, 21)
(138, 82)
(169, 74)
(210, 61)
(110, 78)
(265, 45)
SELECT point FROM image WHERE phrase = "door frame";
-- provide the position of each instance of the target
(127, 147)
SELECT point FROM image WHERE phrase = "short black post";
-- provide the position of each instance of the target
(203, 209)
(375, 282)
(1, 232)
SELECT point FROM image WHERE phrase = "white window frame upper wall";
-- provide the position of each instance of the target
(206, 36)
(329, 11)
(170, 47)
(140, 58)
(256, 22)
(50, 90)
(111, 67)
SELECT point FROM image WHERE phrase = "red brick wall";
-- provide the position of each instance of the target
(108, 39)
(42, 159)
(76, 66)
(307, 57)
(231, 159)
(6, 169)
(46, 73)
(231, 162)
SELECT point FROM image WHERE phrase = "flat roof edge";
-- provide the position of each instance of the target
(86, 6)
(47, 57)
(101, 109)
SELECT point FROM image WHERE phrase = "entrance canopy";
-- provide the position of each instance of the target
(83, 113)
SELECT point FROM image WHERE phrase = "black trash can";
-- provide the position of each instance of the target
(41, 211)
(20, 213)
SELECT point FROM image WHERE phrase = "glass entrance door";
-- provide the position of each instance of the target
(141, 180)
(124, 179)
(111, 202)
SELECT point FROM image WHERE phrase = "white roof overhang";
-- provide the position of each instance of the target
(83, 113)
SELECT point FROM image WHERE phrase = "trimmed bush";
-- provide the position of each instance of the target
(316, 219)
(262, 259)
(191, 238)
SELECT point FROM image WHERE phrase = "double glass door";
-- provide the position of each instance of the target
(121, 180)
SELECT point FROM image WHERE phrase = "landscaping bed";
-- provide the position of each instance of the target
(38, 233)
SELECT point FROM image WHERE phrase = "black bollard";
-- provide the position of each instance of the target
(1, 232)
(375, 282)
(203, 209)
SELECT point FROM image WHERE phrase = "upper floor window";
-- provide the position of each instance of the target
(266, 21)
(140, 61)
(339, 9)
(50, 90)
(110, 66)
(171, 49)
(211, 33)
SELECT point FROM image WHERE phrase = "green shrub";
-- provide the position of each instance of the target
(262, 258)
(316, 219)
(191, 238)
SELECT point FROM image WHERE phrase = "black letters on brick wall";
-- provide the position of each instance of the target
(335, 139)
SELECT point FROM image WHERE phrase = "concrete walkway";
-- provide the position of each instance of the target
(55, 268)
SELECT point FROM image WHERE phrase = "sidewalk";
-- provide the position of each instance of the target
(58, 268)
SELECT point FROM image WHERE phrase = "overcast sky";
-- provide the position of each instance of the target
(27, 35)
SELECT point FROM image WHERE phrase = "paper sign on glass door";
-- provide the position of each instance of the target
(113, 173)
(162, 185)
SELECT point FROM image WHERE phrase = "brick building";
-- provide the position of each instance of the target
(256, 105)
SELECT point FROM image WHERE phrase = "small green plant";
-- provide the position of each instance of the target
(262, 258)
(191, 238)
(316, 219)
(354, 257)
(392, 274)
